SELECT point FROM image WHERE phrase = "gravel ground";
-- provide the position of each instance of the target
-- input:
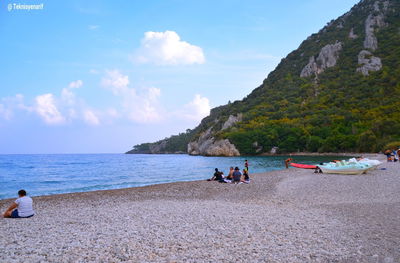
(285, 216)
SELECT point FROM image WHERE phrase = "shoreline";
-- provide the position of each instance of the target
(129, 189)
(368, 155)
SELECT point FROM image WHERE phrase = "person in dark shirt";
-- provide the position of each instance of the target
(237, 175)
(246, 176)
(246, 165)
(218, 176)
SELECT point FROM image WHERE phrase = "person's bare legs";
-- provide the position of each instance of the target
(7, 214)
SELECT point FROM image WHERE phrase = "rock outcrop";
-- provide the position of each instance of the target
(257, 147)
(374, 21)
(274, 150)
(352, 35)
(207, 145)
(368, 62)
(327, 58)
(232, 120)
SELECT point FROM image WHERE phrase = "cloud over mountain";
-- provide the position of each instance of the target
(167, 48)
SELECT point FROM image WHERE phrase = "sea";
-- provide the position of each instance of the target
(47, 174)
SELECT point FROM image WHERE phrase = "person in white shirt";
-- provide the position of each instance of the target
(21, 208)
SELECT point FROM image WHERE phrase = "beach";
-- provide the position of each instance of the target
(291, 215)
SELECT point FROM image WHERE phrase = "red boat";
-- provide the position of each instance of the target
(304, 166)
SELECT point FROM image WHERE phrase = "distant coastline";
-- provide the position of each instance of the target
(275, 154)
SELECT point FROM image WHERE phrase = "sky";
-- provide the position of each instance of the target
(102, 76)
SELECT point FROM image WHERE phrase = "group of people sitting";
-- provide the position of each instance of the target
(234, 176)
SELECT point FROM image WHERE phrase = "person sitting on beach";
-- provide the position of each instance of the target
(21, 208)
(395, 156)
(218, 176)
(388, 154)
(246, 176)
(237, 176)
(230, 175)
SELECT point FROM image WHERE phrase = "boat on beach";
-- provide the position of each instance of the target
(373, 163)
(303, 166)
(343, 167)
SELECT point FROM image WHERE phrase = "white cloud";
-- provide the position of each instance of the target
(137, 105)
(75, 84)
(90, 117)
(93, 27)
(46, 108)
(166, 48)
(72, 114)
(113, 113)
(5, 112)
(68, 96)
(55, 109)
(143, 107)
(197, 109)
(9, 104)
(117, 82)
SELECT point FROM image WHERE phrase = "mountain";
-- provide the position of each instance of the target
(339, 91)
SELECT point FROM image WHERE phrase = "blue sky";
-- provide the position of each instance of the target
(101, 76)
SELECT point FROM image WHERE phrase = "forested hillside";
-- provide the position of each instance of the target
(339, 91)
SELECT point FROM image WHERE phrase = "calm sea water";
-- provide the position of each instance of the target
(67, 173)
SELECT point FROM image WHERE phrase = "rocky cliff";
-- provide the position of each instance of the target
(327, 58)
(339, 91)
(208, 145)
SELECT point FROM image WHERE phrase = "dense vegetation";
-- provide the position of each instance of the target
(341, 110)
(174, 144)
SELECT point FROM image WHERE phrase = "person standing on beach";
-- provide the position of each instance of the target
(21, 208)
(287, 161)
(246, 165)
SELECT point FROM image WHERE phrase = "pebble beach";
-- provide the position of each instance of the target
(291, 215)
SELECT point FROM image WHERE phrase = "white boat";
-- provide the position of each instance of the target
(373, 163)
(344, 167)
